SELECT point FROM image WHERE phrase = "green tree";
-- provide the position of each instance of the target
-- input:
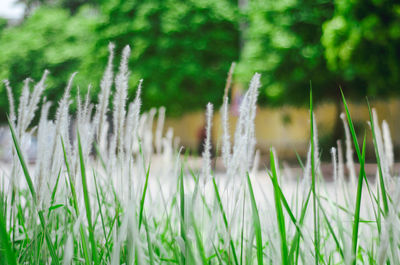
(182, 49)
(282, 42)
(362, 43)
(49, 39)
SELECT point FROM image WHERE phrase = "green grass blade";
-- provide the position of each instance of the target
(149, 246)
(256, 223)
(85, 246)
(33, 193)
(279, 212)
(330, 228)
(101, 215)
(351, 127)
(23, 164)
(187, 257)
(143, 197)
(296, 239)
(217, 254)
(242, 227)
(356, 221)
(87, 201)
(287, 207)
(53, 193)
(5, 246)
(199, 241)
(221, 208)
(70, 180)
(313, 182)
(182, 212)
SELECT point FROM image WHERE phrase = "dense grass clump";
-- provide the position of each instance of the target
(102, 194)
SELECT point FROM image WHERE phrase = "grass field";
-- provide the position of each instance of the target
(121, 194)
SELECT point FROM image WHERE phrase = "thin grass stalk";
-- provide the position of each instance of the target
(356, 221)
(256, 223)
(87, 201)
(279, 213)
(33, 193)
(313, 182)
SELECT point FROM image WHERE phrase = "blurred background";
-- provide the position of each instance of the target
(183, 50)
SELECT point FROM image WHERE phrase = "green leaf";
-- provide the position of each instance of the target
(279, 213)
(256, 223)
(87, 201)
(143, 197)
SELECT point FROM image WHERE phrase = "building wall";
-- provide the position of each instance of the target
(287, 128)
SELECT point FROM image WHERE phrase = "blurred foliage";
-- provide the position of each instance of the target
(49, 39)
(183, 49)
(71, 5)
(362, 45)
(282, 42)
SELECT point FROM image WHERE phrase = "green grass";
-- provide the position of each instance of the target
(173, 215)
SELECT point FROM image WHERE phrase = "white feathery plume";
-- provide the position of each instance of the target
(148, 134)
(141, 130)
(240, 124)
(44, 140)
(62, 125)
(159, 130)
(316, 147)
(34, 98)
(87, 104)
(334, 164)
(226, 143)
(10, 101)
(387, 139)
(100, 117)
(349, 150)
(22, 107)
(253, 92)
(120, 96)
(243, 148)
(79, 105)
(206, 170)
(88, 110)
(62, 116)
(167, 147)
(340, 170)
(379, 143)
(132, 122)
(307, 169)
(128, 129)
(84, 126)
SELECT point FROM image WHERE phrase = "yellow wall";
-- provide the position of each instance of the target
(272, 130)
